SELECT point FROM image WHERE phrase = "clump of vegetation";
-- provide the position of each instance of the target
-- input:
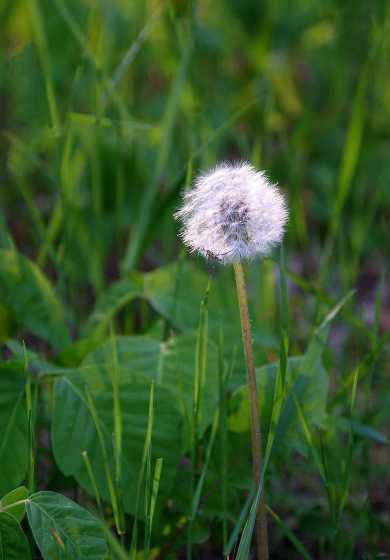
(125, 416)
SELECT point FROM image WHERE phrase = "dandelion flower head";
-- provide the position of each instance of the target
(231, 213)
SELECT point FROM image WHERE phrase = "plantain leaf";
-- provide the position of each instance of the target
(30, 299)
(13, 542)
(134, 362)
(129, 355)
(175, 291)
(14, 503)
(13, 429)
(170, 364)
(74, 430)
(63, 530)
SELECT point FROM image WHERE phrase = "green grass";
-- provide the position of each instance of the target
(122, 378)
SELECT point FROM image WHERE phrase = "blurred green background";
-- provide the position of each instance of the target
(108, 109)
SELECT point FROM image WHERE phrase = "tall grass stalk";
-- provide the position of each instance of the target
(40, 39)
(92, 479)
(117, 411)
(298, 545)
(31, 396)
(198, 388)
(109, 480)
(151, 501)
(137, 238)
(261, 521)
(143, 472)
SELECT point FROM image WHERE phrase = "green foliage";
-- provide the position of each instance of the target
(138, 361)
(13, 542)
(14, 502)
(175, 292)
(31, 299)
(69, 442)
(122, 375)
(309, 387)
(13, 427)
(63, 530)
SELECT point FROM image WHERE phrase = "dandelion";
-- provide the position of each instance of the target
(232, 213)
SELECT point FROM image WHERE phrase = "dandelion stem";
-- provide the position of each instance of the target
(261, 522)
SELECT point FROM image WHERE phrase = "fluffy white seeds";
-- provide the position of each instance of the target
(231, 213)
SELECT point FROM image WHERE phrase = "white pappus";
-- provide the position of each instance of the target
(232, 213)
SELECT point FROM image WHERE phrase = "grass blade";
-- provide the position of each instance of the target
(142, 472)
(300, 547)
(171, 110)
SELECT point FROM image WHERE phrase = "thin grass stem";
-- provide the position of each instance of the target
(261, 521)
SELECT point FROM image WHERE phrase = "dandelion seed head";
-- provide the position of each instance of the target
(231, 213)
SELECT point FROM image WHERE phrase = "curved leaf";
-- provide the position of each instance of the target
(13, 501)
(175, 291)
(113, 300)
(31, 299)
(134, 362)
(13, 542)
(128, 355)
(74, 431)
(308, 386)
(63, 530)
(170, 364)
(13, 429)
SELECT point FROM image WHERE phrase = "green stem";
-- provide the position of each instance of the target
(261, 521)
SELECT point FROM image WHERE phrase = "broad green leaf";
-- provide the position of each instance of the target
(35, 362)
(170, 364)
(13, 542)
(131, 356)
(134, 362)
(31, 299)
(13, 501)
(310, 386)
(13, 429)
(176, 291)
(63, 530)
(74, 431)
(162, 288)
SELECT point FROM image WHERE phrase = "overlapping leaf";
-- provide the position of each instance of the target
(175, 292)
(307, 382)
(13, 542)
(30, 298)
(14, 503)
(13, 428)
(74, 431)
(63, 530)
(134, 362)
